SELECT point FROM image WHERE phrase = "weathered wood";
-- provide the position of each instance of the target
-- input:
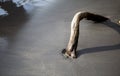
(70, 51)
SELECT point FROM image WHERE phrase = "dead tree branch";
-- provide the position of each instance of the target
(71, 48)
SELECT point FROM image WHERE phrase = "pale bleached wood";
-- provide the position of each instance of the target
(70, 51)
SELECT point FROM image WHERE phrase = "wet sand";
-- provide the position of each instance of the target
(31, 43)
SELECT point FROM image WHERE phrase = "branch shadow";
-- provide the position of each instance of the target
(112, 25)
(11, 24)
(14, 21)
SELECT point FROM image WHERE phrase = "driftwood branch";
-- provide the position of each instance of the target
(71, 48)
